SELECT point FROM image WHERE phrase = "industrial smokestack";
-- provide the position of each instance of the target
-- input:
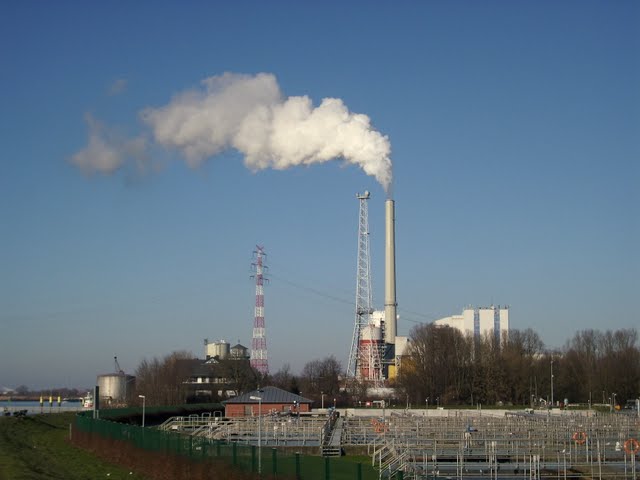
(390, 304)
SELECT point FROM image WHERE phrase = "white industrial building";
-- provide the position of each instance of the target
(222, 350)
(479, 321)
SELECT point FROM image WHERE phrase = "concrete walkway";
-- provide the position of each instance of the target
(336, 435)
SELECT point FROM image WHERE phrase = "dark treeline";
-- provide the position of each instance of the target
(23, 392)
(443, 366)
(447, 367)
(164, 381)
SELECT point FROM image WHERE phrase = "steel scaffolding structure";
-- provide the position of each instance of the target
(529, 446)
(365, 355)
(460, 444)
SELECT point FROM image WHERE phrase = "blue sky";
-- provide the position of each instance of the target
(514, 129)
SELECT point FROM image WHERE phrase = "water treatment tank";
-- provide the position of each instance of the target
(115, 388)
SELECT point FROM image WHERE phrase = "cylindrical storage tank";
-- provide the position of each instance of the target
(115, 387)
(218, 349)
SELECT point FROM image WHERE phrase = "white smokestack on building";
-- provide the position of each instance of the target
(390, 304)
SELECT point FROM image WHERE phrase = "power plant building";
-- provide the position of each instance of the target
(374, 353)
(479, 321)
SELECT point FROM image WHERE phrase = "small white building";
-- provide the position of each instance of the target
(479, 321)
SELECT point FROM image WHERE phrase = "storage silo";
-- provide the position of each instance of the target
(115, 388)
(218, 349)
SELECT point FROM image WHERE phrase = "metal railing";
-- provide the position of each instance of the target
(273, 461)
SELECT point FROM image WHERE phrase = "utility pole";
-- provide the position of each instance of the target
(551, 383)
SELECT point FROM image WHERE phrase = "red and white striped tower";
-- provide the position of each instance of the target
(259, 341)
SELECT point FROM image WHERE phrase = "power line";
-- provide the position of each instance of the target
(312, 290)
(426, 318)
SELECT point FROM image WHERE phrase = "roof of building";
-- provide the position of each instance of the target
(239, 347)
(269, 395)
(189, 365)
(208, 368)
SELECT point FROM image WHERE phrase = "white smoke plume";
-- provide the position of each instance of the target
(107, 151)
(117, 87)
(249, 113)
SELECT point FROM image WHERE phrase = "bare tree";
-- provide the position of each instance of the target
(282, 378)
(321, 376)
(438, 365)
(163, 381)
(605, 362)
(519, 352)
(240, 376)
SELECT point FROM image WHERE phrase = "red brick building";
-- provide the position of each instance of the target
(272, 400)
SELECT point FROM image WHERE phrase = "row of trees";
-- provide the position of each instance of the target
(163, 380)
(450, 368)
(23, 392)
(317, 378)
(443, 367)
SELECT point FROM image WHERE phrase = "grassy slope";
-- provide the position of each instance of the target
(36, 447)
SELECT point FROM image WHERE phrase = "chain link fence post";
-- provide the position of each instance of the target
(274, 461)
(253, 458)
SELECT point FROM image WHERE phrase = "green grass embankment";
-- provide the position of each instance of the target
(37, 447)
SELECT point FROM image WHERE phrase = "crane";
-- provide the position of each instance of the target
(118, 369)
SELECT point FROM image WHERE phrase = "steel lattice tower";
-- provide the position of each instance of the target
(364, 363)
(259, 340)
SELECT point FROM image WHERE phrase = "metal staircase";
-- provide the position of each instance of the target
(389, 460)
(332, 440)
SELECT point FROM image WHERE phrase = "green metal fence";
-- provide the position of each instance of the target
(268, 461)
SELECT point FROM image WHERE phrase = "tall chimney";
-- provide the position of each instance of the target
(390, 318)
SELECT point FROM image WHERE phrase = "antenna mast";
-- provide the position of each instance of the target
(259, 340)
(364, 358)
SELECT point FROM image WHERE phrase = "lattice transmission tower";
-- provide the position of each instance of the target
(259, 341)
(364, 358)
